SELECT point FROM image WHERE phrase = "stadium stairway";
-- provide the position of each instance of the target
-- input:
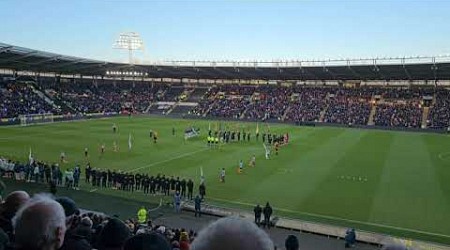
(286, 113)
(42, 95)
(248, 106)
(373, 111)
(54, 101)
(148, 108)
(172, 108)
(324, 111)
(425, 112)
(209, 109)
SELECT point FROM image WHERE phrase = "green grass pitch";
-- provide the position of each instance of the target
(390, 182)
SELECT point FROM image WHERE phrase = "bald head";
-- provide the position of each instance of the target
(232, 233)
(14, 201)
(44, 215)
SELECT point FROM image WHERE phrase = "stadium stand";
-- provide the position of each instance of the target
(439, 116)
(197, 94)
(307, 104)
(391, 107)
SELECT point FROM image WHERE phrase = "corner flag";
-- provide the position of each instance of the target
(257, 128)
(129, 142)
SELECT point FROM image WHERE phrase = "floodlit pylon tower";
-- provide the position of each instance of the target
(130, 41)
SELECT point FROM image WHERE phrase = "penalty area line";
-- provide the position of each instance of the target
(170, 159)
(338, 218)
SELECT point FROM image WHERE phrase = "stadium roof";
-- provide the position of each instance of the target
(413, 68)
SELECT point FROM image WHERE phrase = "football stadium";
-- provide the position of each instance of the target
(175, 154)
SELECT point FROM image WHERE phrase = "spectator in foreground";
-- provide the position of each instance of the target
(73, 239)
(291, 243)
(40, 224)
(13, 202)
(232, 233)
(113, 235)
(150, 241)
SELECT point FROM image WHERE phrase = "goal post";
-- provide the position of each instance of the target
(31, 119)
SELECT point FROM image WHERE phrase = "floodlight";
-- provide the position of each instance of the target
(130, 41)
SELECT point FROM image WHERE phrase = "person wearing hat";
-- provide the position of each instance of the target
(72, 239)
(142, 215)
(150, 241)
(184, 241)
(70, 208)
(291, 243)
(113, 235)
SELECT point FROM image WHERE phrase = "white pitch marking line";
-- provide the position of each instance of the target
(92, 190)
(339, 218)
(170, 159)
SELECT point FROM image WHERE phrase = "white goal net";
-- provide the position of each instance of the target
(31, 119)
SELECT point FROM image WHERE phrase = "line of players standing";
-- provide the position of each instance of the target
(148, 184)
(228, 136)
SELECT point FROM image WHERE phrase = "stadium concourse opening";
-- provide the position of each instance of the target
(326, 147)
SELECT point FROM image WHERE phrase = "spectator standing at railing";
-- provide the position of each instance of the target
(190, 186)
(350, 238)
(258, 211)
(197, 206)
(267, 214)
(177, 202)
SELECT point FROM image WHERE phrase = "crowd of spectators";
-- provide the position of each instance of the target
(270, 103)
(18, 99)
(400, 106)
(348, 110)
(226, 101)
(45, 222)
(439, 116)
(403, 114)
(307, 105)
(229, 108)
(106, 97)
(40, 172)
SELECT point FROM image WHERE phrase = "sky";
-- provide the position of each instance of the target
(230, 30)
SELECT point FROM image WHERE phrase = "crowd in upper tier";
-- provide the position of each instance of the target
(382, 106)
